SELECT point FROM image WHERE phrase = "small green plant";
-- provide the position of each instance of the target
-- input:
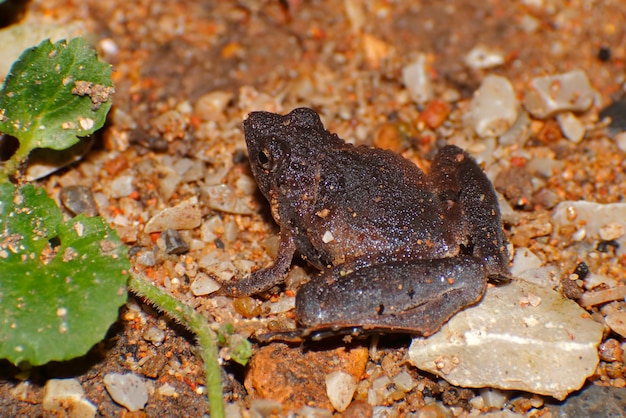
(62, 283)
(53, 95)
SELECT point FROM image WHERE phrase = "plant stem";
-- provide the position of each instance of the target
(197, 324)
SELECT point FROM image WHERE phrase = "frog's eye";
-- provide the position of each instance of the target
(264, 159)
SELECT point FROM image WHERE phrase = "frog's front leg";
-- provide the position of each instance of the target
(263, 279)
(416, 296)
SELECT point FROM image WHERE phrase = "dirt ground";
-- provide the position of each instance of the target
(186, 74)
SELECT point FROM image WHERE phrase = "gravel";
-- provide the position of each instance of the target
(127, 390)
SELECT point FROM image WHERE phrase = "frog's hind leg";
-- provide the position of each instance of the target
(416, 296)
(472, 207)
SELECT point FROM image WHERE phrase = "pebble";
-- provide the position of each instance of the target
(483, 57)
(593, 401)
(146, 258)
(494, 107)
(219, 265)
(404, 381)
(171, 124)
(620, 141)
(79, 199)
(22, 391)
(203, 284)
(121, 186)
(127, 390)
(591, 218)
(173, 242)
(571, 127)
(540, 343)
(185, 215)
(416, 79)
(211, 106)
(167, 390)
(232, 410)
(340, 387)
(377, 394)
(615, 318)
(311, 412)
(493, 398)
(168, 182)
(611, 350)
(264, 408)
(519, 133)
(66, 397)
(549, 95)
(154, 335)
(223, 198)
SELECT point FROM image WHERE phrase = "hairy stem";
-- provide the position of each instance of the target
(195, 323)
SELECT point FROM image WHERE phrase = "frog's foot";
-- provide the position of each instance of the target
(416, 296)
(258, 282)
(265, 278)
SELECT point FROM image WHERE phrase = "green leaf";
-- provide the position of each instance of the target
(54, 94)
(61, 284)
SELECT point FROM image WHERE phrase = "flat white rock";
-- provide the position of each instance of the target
(494, 108)
(519, 337)
(127, 390)
(552, 94)
(185, 215)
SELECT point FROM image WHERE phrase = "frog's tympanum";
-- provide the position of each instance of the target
(399, 249)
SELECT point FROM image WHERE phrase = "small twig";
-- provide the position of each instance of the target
(195, 323)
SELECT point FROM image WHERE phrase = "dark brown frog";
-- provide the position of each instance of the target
(399, 249)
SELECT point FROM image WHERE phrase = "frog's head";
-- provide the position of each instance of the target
(279, 145)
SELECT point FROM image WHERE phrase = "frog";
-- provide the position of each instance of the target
(398, 249)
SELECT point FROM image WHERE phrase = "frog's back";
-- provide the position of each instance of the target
(374, 203)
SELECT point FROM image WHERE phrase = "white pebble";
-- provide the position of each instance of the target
(121, 186)
(223, 198)
(265, 407)
(482, 57)
(620, 140)
(311, 412)
(185, 215)
(404, 381)
(66, 397)
(203, 285)
(493, 398)
(146, 258)
(572, 128)
(127, 390)
(376, 394)
(549, 95)
(167, 390)
(213, 104)
(416, 79)
(494, 108)
(154, 335)
(218, 264)
(340, 387)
